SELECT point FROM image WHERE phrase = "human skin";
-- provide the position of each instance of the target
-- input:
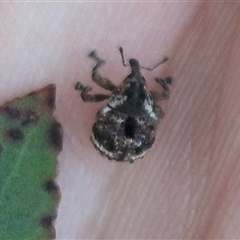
(187, 185)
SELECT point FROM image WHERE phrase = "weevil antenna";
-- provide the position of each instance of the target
(159, 63)
(123, 60)
(146, 68)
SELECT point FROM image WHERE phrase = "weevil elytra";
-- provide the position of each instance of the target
(125, 127)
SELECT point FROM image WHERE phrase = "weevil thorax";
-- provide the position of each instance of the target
(132, 97)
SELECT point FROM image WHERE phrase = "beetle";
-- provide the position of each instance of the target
(125, 127)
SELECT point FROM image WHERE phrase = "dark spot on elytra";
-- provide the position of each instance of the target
(122, 155)
(120, 158)
(55, 135)
(151, 127)
(47, 222)
(51, 187)
(29, 117)
(149, 142)
(111, 146)
(130, 127)
(14, 134)
(103, 137)
(98, 133)
(138, 150)
(11, 112)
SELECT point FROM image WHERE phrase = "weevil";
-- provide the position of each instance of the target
(125, 127)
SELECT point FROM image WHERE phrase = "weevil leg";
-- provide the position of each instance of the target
(96, 77)
(157, 96)
(86, 97)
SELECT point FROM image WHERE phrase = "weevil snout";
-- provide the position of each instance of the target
(134, 64)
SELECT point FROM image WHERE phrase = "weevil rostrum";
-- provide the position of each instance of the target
(125, 127)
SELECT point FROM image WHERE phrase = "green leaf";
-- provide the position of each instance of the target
(30, 140)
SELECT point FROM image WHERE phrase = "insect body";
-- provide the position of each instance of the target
(125, 128)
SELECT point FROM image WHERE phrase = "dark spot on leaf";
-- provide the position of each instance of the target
(29, 117)
(55, 135)
(48, 93)
(50, 97)
(15, 134)
(11, 112)
(51, 187)
(1, 148)
(47, 222)
(51, 100)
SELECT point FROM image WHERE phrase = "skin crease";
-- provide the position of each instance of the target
(187, 185)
